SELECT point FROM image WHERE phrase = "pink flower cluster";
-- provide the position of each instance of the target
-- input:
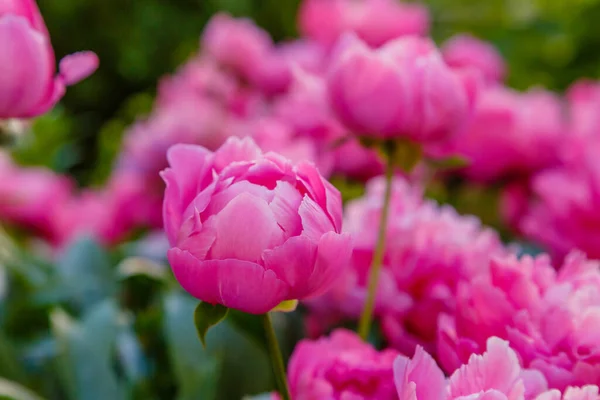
(549, 318)
(344, 367)
(430, 250)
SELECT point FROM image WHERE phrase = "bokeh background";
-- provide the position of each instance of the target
(545, 42)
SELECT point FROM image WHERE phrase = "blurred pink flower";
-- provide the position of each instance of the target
(249, 51)
(465, 51)
(430, 249)
(494, 375)
(28, 85)
(341, 366)
(505, 126)
(563, 213)
(374, 21)
(550, 319)
(401, 90)
(29, 197)
(250, 230)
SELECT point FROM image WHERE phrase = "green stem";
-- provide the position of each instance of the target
(276, 358)
(366, 318)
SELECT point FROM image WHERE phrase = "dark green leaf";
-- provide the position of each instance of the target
(206, 316)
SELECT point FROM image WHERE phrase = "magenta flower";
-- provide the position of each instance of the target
(250, 230)
(494, 375)
(249, 51)
(401, 90)
(29, 197)
(465, 51)
(549, 318)
(430, 250)
(341, 366)
(505, 126)
(29, 86)
(374, 21)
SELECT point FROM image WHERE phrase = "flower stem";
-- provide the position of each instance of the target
(276, 358)
(366, 318)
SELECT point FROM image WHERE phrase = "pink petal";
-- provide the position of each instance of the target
(315, 221)
(498, 368)
(323, 192)
(26, 68)
(285, 206)
(245, 228)
(333, 259)
(78, 66)
(235, 150)
(237, 284)
(293, 263)
(419, 378)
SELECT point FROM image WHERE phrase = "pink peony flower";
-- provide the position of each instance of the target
(374, 21)
(588, 392)
(29, 197)
(341, 366)
(505, 127)
(563, 214)
(494, 375)
(549, 318)
(401, 90)
(240, 45)
(29, 86)
(429, 251)
(465, 51)
(250, 230)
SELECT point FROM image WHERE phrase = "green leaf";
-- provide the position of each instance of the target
(86, 351)
(85, 274)
(206, 316)
(196, 370)
(14, 391)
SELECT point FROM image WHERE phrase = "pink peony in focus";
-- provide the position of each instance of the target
(551, 319)
(401, 90)
(374, 21)
(504, 129)
(494, 375)
(249, 230)
(430, 249)
(28, 85)
(341, 366)
(465, 51)
(29, 197)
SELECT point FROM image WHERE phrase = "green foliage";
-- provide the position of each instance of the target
(206, 316)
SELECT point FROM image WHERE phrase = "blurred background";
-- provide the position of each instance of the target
(545, 42)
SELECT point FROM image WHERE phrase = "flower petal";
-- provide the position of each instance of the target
(237, 284)
(78, 66)
(245, 228)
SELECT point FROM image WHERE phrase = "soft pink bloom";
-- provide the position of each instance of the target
(107, 214)
(341, 366)
(401, 90)
(494, 375)
(504, 129)
(552, 320)
(588, 392)
(250, 230)
(28, 85)
(563, 213)
(240, 45)
(374, 21)
(465, 51)
(430, 249)
(29, 197)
